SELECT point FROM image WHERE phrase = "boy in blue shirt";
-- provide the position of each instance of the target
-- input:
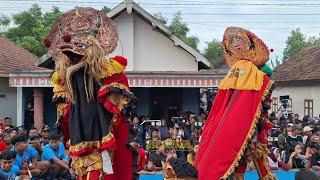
(7, 169)
(54, 152)
(26, 156)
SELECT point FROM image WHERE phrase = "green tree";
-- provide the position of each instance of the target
(275, 63)
(31, 28)
(160, 18)
(213, 51)
(296, 42)
(106, 9)
(180, 29)
(4, 22)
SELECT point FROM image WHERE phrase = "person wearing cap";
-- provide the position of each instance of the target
(307, 131)
(26, 156)
(35, 142)
(45, 136)
(289, 129)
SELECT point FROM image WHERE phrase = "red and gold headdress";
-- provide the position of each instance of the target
(241, 44)
(73, 30)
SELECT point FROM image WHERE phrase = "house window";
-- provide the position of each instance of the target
(290, 104)
(308, 107)
(275, 104)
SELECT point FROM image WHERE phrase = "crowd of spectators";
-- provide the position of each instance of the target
(293, 144)
(32, 153)
(177, 137)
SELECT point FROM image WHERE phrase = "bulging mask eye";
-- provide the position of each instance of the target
(81, 45)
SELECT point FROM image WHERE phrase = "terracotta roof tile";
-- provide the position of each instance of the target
(14, 58)
(305, 65)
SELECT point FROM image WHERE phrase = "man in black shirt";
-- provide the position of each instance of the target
(293, 139)
(133, 145)
(28, 116)
(157, 157)
(196, 135)
(8, 123)
(315, 161)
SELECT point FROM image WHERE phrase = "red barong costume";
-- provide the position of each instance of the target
(236, 130)
(92, 94)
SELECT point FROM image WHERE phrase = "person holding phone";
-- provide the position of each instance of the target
(297, 159)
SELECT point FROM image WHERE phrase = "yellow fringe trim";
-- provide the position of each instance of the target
(107, 137)
(82, 145)
(86, 144)
(116, 85)
(250, 134)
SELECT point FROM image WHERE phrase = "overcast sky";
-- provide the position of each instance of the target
(208, 19)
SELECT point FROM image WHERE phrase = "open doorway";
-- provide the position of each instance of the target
(165, 102)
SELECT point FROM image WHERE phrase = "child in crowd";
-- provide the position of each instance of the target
(191, 156)
(275, 161)
(150, 169)
(54, 153)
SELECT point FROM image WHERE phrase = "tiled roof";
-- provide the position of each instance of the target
(14, 58)
(304, 66)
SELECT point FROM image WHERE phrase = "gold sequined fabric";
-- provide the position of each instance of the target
(84, 164)
(83, 145)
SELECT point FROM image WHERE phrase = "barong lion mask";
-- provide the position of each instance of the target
(73, 30)
(241, 44)
(80, 39)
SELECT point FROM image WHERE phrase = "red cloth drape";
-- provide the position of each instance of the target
(229, 124)
(122, 162)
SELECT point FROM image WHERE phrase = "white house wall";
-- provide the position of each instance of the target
(298, 95)
(147, 49)
(153, 51)
(8, 104)
(125, 45)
